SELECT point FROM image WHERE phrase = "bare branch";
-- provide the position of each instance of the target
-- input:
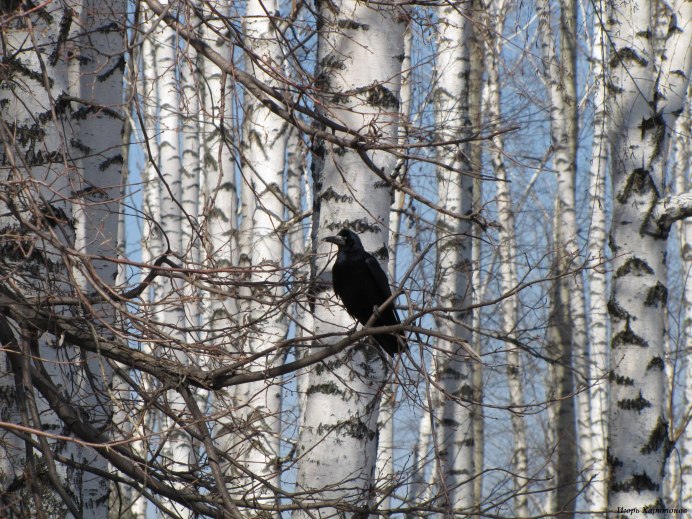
(671, 209)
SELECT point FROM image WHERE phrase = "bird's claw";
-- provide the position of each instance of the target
(376, 311)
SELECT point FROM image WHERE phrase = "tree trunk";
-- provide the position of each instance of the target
(176, 443)
(192, 179)
(569, 338)
(454, 422)
(263, 150)
(387, 438)
(219, 216)
(644, 104)
(596, 465)
(298, 197)
(358, 70)
(151, 239)
(60, 126)
(682, 156)
(508, 253)
(478, 53)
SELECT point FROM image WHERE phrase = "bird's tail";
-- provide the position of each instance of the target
(391, 343)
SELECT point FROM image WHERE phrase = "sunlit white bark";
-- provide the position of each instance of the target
(640, 114)
(67, 176)
(387, 438)
(682, 157)
(595, 462)
(263, 159)
(358, 67)
(507, 248)
(176, 450)
(454, 421)
(568, 336)
(218, 213)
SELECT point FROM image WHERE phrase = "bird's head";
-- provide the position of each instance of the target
(346, 240)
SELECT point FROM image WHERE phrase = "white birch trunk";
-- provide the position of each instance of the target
(99, 135)
(681, 159)
(508, 269)
(570, 343)
(562, 432)
(177, 444)
(596, 465)
(642, 105)
(263, 152)
(386, 444)
(219, 212)
(78, 167)
(123, 495)
(151, 234)
(359, 65)
(191, 181)
(420, 489)
(218, 168)
(478, 53)
(454, 423)
(219, 198)
(299, 199)
(682, 156)
(569, 118)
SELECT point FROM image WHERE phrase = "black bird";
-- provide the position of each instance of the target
(362, 286)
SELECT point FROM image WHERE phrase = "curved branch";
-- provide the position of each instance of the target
(670, 209)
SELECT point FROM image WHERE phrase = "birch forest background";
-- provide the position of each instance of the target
(170, 342)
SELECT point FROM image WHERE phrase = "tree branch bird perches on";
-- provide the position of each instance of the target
(362, 286)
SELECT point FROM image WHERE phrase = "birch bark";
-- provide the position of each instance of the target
(387, 440)
(360, 49)
(176, 443)
(151, 240)
(454, 422)
(643, 105)
(95, 209)
(508, 269)
(568, 339)
(683, 157)
(263, 159)
(595, 462)
(62, 82)
(219, 213)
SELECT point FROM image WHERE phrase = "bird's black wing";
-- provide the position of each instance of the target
(379, 277)
(382, 284)
(391, 343)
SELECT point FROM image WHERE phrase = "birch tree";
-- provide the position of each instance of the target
(219, 211)
(568, 336)
(642, 109)
(454, 425)
(681, 490)
(507, 252)
(147, 101)
(61, 87)
(176, 444)
(192, 173)
(387, 436)
(358, 70)
(266, 126)
(96, 216)
(595, 462)
(263, 152)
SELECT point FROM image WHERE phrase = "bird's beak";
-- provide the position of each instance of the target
(338, 240)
